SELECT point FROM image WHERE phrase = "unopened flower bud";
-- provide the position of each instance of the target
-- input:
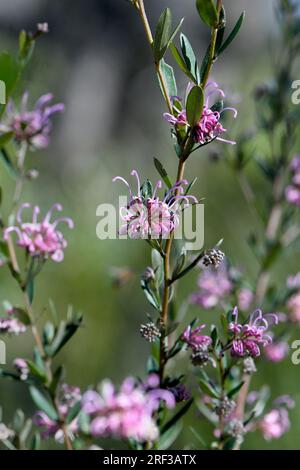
(249, 366)
(224, 407)
(32, 174)
(213, 257)
(150, 332)
(43, 27)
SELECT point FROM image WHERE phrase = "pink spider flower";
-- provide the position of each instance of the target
(33, 126)
(41, 238)
(127, 413)
(292, 191)
(209, 127)
(248, 337)
(68, 397)
(194, 339)
(214, 285)
(146, 216)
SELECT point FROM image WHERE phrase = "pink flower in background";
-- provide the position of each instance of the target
(214, 285)
(293, 282)
(276, 351)
(68, 397)
(275, 423)
(293, 305)
(245, 298)
(194, 339)
(41, 238)
(209, 127)
(146, 216)
(22, 368)
(11, 326)
(250, 336)
(127, 413)
(292, 192)
(33, 126)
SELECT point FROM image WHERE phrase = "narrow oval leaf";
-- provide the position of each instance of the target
(232, 35)
(194, 105)
(208, 389)
(189, 58)
(162, 34)
(208, 12)
(163, 173)
(169, 78)
(42, 403)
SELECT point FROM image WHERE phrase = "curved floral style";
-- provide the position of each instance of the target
(40, 239)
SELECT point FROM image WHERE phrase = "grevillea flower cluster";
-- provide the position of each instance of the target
(146, 216)
(32, 127)
(127, 413)
(250, 336)
(41, 239)
(209, 127)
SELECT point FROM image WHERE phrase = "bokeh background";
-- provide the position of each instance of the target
(96, 61)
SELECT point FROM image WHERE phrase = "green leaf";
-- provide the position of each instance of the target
(183, 410)
(180, 61)
(147, 189)
(37, 371)
(42, 403)
(57, 379)
(162, 35)
(169, 77)
(64, 333)
(208, 389)
(221, 29)
(5, 158)
(176, 30)
(230, 443)
(235, 390)
(194, 105)
(36, 441)
(168, 437)
(9, 74)
(233, 34)
(189, 58)
(205, 64)
(163, 173)
(208, 12)
(5, 138)
(73, 413)
(21, 315)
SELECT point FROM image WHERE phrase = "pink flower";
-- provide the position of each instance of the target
(126, 414)
(146, 216)
(11, 326)
(209, 127)
(214, 285)
(248, 337)
(294, 307)
(276, 351)
(292, 192)
(195, 340)
(33, 126)
(22, 368)
(245, 298)
(274, 424)
(68, 397)
(41, 238)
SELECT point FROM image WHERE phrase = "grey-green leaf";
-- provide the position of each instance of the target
(189, 58)
(42, 403)
(162, 34)
(169, 78)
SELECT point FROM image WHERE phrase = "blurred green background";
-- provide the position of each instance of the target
(96, 61)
